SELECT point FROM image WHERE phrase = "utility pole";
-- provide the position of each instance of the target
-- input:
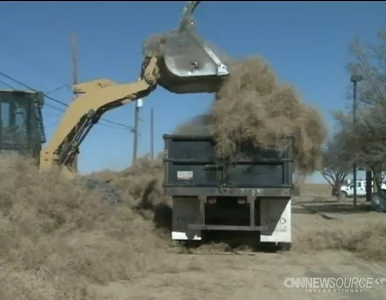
(74, 62)
(74, 58)
(355, 79)
(369, 181)
(152, 133)
(138, 105)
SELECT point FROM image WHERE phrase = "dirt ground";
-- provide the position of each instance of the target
(60, 241)
(219, 276)
(246, 275)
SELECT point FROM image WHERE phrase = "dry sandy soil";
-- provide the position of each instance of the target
(246, 275)
(205, 275)
(59, 241)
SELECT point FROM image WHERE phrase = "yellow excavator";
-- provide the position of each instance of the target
(179, 61)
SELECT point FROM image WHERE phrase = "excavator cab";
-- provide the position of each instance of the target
(21, 122)
(186, 63)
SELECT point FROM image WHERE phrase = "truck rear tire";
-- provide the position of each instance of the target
(284, 247)
(189, 244)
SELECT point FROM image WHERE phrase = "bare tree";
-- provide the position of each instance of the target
(370, 62)
(366, 143)
(336, 162)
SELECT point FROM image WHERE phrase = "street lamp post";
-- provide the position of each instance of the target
(355, 79)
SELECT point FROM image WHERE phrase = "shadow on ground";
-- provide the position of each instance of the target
(302, 210)
(337, 208)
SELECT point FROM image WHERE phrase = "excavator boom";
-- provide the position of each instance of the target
(96, 97)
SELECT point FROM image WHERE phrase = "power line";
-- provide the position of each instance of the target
(58, 88)
(113, 125)
(18, 53)
(13, 88)
(6, 84)
(51, 98)
(58, 101)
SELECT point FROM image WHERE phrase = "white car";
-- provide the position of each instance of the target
(348, 190)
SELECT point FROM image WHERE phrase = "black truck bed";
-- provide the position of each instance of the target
(191, 168)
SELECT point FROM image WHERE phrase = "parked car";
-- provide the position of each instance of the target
(347, 190)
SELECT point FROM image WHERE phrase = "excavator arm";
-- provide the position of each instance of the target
(187, 13)
(179, 61)
(96, 98)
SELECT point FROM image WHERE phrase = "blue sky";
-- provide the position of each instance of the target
(306, 44)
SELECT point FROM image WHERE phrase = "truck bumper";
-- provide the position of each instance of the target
(270, 217)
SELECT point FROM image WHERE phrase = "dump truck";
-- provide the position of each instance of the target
(249, 192)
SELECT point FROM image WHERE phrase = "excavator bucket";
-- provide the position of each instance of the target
(187, 64)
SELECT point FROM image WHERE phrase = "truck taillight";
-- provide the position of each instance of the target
(241, 201)
(211, 200)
